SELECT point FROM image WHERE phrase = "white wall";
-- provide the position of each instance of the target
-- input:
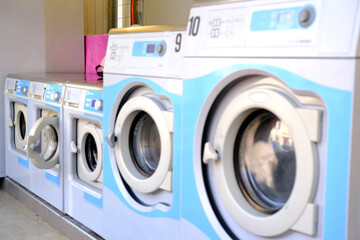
(96, 14)
(156, 12)
(167, 12)
(33, 40)
(22, 39)
(22, 45)
(64, 35)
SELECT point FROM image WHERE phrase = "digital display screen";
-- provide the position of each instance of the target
(93, 103)
(150, 48)
(285, 18)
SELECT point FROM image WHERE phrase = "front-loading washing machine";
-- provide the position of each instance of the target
(142, 112)
(83, 155)
(270, 112)
(45, 138)
(16, 163)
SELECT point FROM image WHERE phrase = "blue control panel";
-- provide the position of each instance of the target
(149, 48)
(54, 93)
(22, 88)
(94, 101)
(283, 19)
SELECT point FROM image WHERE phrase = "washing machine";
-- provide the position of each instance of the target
(142, 113)
(270, 113)
(83, 155)
(45, 138)
(16, 109)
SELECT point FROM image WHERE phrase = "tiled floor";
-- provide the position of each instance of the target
(24, 215)
(18, 222)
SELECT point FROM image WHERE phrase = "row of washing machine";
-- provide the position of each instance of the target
(53, 140)
(242, 126)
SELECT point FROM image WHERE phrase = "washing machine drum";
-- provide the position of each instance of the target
(265, 161)
(144, 143)
(43, 141)
(20, 126)
(144, 147)
(260, 160)
(89, 151)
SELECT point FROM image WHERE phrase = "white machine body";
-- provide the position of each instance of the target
(297, 61)
(142, 95)
(44, 138)
(83, 154)
(16, 131)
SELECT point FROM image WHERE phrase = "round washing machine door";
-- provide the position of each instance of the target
(262, 162)
(90, 152)
(20, 126)
(144, 147)
(43, 142)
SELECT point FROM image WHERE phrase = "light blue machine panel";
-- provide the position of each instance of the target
(283, 19)
(149, 48)
(51, 90)
(90, 101)
(22, 84)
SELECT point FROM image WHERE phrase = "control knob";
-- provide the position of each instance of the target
(160, 48)
(55, 96)
(99, 104)
(24, 90)
(306, 16)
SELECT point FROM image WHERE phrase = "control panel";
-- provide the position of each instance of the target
(88, 100)
(94, 101)
(149, 48)
(146, 53)
(73, 96)
(278, 28)
(22, 88)
(142, 53)
(224, 28)
(283, 18)
(37, 90)
(285, 25)
(10, 85)
(54, 93)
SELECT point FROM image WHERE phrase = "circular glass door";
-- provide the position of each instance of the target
(144, 147)
(260, 161)
(22, 125)
(43, 142)
(47, 144)
(91, 152)
(20, 120)
(89, 156)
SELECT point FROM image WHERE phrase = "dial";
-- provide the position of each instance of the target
(161, 48)
(99, 104)
(306, 16)
(55, 96)
(24, 90)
